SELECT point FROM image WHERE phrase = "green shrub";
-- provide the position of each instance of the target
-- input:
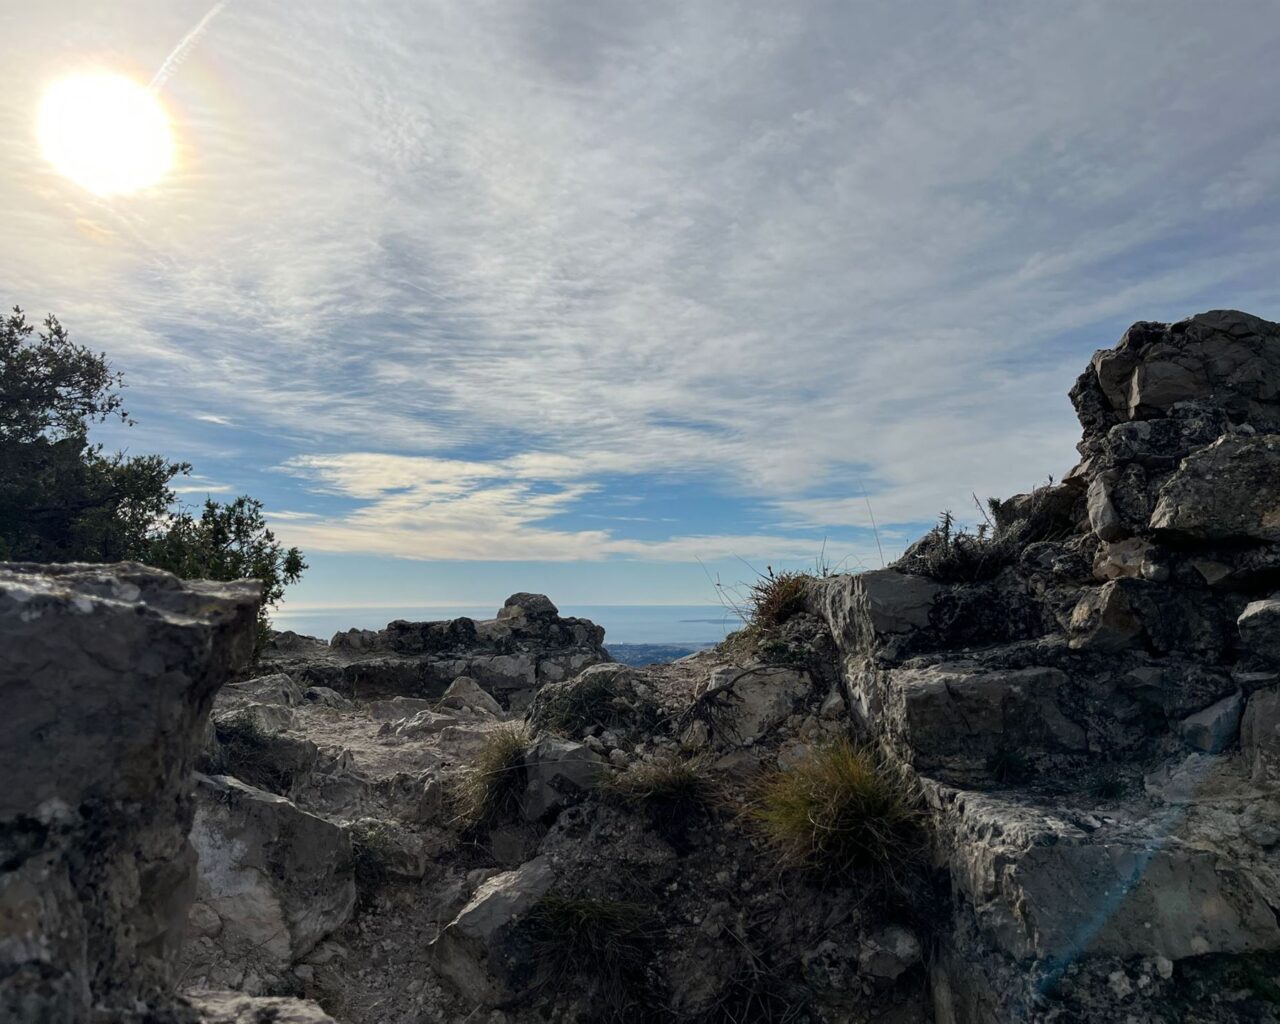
(491, 790)
(838, 811)
(603, 943)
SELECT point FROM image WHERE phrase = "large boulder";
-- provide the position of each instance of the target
(1051, 887)
(480, 951)
(1227, 491)
(1259, 626)
(1260, 735)
(107, 675)
(273, 882)
(1223, 358)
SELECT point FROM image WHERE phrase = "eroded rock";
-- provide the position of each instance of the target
(107, 674)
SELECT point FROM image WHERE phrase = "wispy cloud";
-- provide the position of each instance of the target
(497, 254)
(446, 510)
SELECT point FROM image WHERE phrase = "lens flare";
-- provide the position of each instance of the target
(105, 132)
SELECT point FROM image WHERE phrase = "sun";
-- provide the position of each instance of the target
(105, 132)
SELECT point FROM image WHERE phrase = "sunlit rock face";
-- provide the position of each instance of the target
(1089, 696)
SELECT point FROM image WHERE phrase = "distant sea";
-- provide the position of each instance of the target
(689, 626)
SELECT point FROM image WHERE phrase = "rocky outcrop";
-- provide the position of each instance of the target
(1088, 696)
(511, 656)
(273, 882)
(489, 820)
(107, 674)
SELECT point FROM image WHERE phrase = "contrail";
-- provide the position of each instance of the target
(179, 54)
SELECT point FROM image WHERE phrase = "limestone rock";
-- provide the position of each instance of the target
(107, 673)
(1045, 887)
(1229, 491)
(557, 771)
(277, 878)
(956, 709)
(609, 696)
(236, 1008)
(397, 708)
(1260, 735)
(744, 704)
(465, 692)
(889, 953)
(1224, 357)
(529, 606)
(1259, 626)
(478, 952)
(277, 688)
(1214, 728)
(528, 645)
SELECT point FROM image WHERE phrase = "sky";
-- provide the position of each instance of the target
(612, 300)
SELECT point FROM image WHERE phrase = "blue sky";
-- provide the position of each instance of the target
(488, 296)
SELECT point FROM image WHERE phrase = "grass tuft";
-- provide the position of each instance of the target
(1007, 765)
(670, 788)
(954, 555)
(491, 790)
(606, 943)
(776, 596)
(247, 753)
(1107, 784)
(839, 811)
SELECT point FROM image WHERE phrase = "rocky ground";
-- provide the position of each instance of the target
(1071, 721)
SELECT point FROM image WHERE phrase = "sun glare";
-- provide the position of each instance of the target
(105, 132)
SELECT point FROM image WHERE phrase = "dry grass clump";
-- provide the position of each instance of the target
(776, 596)
(247, 753)
(839, 811)
(951, 554)
(491, 790)
(670, 787)
(606, 944)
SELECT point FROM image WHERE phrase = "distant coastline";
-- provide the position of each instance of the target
(689, 627)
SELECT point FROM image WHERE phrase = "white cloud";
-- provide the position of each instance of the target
(774, 246)
(438, 509)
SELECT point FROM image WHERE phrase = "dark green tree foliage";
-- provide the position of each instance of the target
(228, 541)
(63, 500)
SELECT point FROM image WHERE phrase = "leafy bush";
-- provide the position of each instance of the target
(492, 789)
(606, 943)
(228, 542)
(838, 811)
(63, 500)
